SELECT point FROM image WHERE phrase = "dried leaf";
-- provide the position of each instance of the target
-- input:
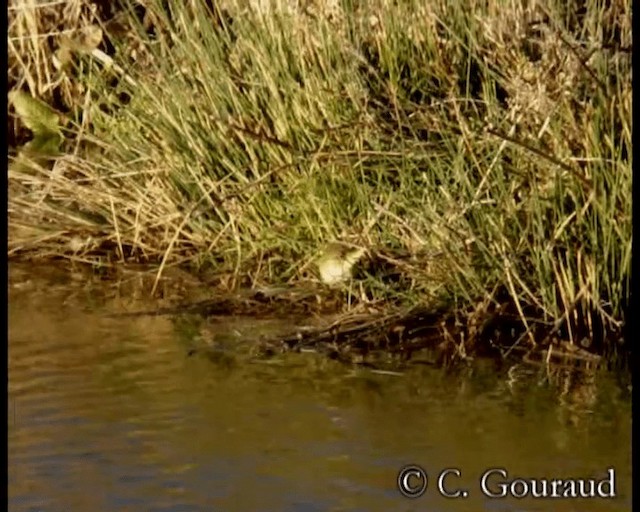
(86, 41)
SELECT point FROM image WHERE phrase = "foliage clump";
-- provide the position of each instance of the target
(482, 150)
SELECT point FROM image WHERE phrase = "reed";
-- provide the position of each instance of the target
(482, 149)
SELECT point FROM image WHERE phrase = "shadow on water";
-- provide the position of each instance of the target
(111, 413)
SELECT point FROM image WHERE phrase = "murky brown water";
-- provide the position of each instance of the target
(111, 414)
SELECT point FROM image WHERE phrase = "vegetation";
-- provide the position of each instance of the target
(479, 150)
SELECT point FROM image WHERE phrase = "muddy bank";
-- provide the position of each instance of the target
(387, 336)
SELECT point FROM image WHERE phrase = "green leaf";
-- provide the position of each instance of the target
(44, 144)
(39, 117)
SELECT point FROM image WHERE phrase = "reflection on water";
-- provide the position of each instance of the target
(109, 413)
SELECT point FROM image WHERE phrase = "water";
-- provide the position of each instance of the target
(112, 413)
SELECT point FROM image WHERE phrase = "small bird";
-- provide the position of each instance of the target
(337, 261)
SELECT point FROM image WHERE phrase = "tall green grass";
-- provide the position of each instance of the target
(484, 147)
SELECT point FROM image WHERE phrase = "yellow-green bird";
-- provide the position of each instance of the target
(337, 261)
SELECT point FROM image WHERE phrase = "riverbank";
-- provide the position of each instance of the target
(480, 157)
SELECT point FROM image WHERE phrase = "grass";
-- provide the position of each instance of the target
(485, 151)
